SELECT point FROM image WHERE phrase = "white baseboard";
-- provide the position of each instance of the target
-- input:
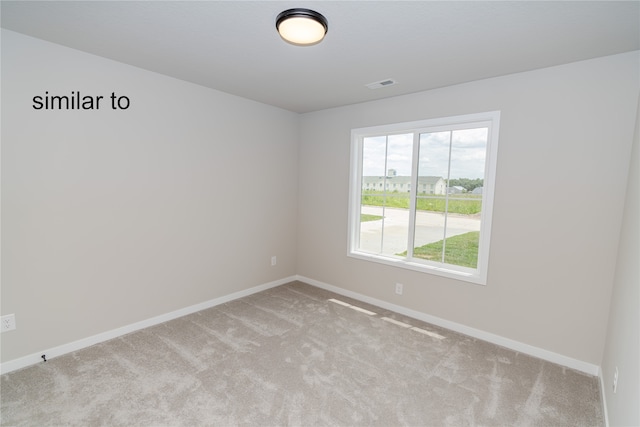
(34, 358)
(605, 414)
(540, 353)
(50, 353)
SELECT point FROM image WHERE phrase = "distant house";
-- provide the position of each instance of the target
(456, 189)
(402, 184)
(477, 190)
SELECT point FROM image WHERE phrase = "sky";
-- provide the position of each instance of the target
(468, 152)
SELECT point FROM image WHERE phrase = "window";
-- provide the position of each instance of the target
(443, 224)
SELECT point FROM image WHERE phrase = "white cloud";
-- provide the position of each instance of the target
(468, 152)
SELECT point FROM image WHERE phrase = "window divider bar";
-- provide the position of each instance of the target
(446, 199)
(384, 191)
(413, 203)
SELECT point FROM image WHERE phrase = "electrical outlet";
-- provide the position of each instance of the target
(8, 323)
(274, 261)
(615, 381)
(399, 288)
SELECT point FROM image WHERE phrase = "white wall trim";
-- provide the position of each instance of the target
(605, 414)
(578, 365)
(540, 353)
(34, 358)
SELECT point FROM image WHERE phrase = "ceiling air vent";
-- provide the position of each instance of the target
(381, 83)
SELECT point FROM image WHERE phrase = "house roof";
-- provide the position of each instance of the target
(402, 179)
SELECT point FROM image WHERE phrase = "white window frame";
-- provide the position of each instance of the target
(478, 275)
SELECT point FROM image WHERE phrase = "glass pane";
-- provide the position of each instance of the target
(449, 198)
(468, 153)
(396, 216)
(370, 228)
(386, 182)
(429, 229)
(434, 157)
(396, 226)
(433, 168)
(399, 152)
(374, 151)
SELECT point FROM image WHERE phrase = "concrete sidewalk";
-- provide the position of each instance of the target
(429, 229)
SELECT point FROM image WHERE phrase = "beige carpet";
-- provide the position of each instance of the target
(292, 356)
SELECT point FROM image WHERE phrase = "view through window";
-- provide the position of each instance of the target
(421, 194)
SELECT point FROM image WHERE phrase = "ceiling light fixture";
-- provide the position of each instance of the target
(301, 27)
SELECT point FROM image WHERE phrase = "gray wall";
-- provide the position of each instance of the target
(113, 217)
(622, 348)
(565, 140)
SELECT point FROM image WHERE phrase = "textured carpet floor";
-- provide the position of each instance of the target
(298, 355)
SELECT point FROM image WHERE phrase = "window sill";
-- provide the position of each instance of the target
(471, 276)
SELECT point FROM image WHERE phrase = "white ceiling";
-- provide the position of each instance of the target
(233, 46)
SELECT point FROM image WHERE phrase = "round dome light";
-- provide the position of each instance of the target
(301, 27)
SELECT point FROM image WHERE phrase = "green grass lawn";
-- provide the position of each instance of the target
(460, 250)
(467, 204)
(367, 217)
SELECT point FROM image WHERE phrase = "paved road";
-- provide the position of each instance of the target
(429, 228)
